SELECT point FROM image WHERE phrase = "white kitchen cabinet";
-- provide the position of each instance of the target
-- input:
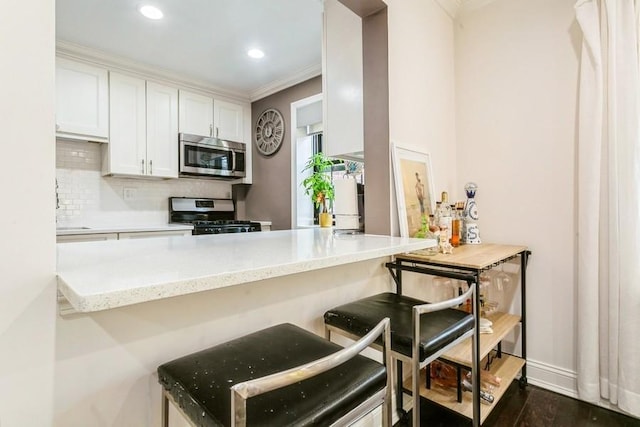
(343, 126)
(205, 116)
(95, 237)
(143, 129)
(162, 131)
(196, 114)
(82, 101)
(145, 234)
(126, 151)
(228, 121)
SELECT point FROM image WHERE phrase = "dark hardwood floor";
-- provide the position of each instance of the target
(531, 407)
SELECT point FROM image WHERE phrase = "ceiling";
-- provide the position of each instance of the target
(205, 40)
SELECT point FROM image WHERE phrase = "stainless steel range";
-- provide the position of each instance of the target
(208, 216)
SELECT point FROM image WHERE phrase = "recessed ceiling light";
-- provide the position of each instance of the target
(151, 12)
(255, 53)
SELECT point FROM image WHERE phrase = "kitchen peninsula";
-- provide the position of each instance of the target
(103, 275)
(149, 301)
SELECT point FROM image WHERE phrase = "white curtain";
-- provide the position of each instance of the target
(608, 356)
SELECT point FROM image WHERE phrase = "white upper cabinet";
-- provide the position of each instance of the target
(162, 130)
(82, 101)
(196, 114)
(343, 126)
(228, 121)
(144, 129)
(128, 142)
(205, 116)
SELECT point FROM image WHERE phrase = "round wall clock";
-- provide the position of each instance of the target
(269, 131)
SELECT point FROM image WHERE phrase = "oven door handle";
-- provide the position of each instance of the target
(233, 160)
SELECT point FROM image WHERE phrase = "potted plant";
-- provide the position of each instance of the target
(318, 185)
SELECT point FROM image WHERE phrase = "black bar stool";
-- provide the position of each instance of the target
(420, 331)
(279, 376)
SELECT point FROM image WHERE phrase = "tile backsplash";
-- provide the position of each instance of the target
(87, 198)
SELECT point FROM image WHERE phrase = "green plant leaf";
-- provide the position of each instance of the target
(318, 185)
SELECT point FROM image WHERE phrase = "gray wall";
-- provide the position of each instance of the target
(375, 55)
(269, 197)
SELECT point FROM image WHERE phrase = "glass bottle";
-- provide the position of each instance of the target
(471, 232)
(444, 222)
(433, 233)
(433, 227)
(456, 223)
(438, 212)
(460, 215)
(442, 232)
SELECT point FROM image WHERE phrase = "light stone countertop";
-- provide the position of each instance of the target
(96, 276)
(101, 229)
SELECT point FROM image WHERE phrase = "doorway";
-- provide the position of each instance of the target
(306, 131)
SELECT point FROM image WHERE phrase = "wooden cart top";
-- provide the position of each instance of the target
(477, 257)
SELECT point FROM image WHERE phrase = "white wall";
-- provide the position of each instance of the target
(421, 97)
(492, 97)
(516, 92)
(421, 85)
(27, 252)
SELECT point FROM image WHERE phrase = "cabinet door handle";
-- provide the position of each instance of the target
(217, 129)
(142, 166)
(150, 167)
(211, 130)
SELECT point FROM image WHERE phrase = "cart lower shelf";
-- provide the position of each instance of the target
(507, 368)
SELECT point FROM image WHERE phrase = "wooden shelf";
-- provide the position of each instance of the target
(477, 257)
(472, 259)
(503, 323)
(507, 367)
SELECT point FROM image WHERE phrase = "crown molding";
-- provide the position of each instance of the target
(77, 52)
(281, 84)
(117, 63)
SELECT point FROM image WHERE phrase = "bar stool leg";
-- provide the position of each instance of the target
(399, 388)
(165, 410)
(415, 389)
(388, 363)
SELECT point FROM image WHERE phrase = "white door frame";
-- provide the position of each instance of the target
(293, 132)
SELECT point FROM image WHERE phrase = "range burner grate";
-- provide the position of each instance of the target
(208, 216)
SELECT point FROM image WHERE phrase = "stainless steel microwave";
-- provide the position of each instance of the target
(202, 156)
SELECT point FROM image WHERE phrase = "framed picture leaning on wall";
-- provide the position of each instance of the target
(414, 188)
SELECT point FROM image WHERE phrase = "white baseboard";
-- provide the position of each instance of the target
(559, 380)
